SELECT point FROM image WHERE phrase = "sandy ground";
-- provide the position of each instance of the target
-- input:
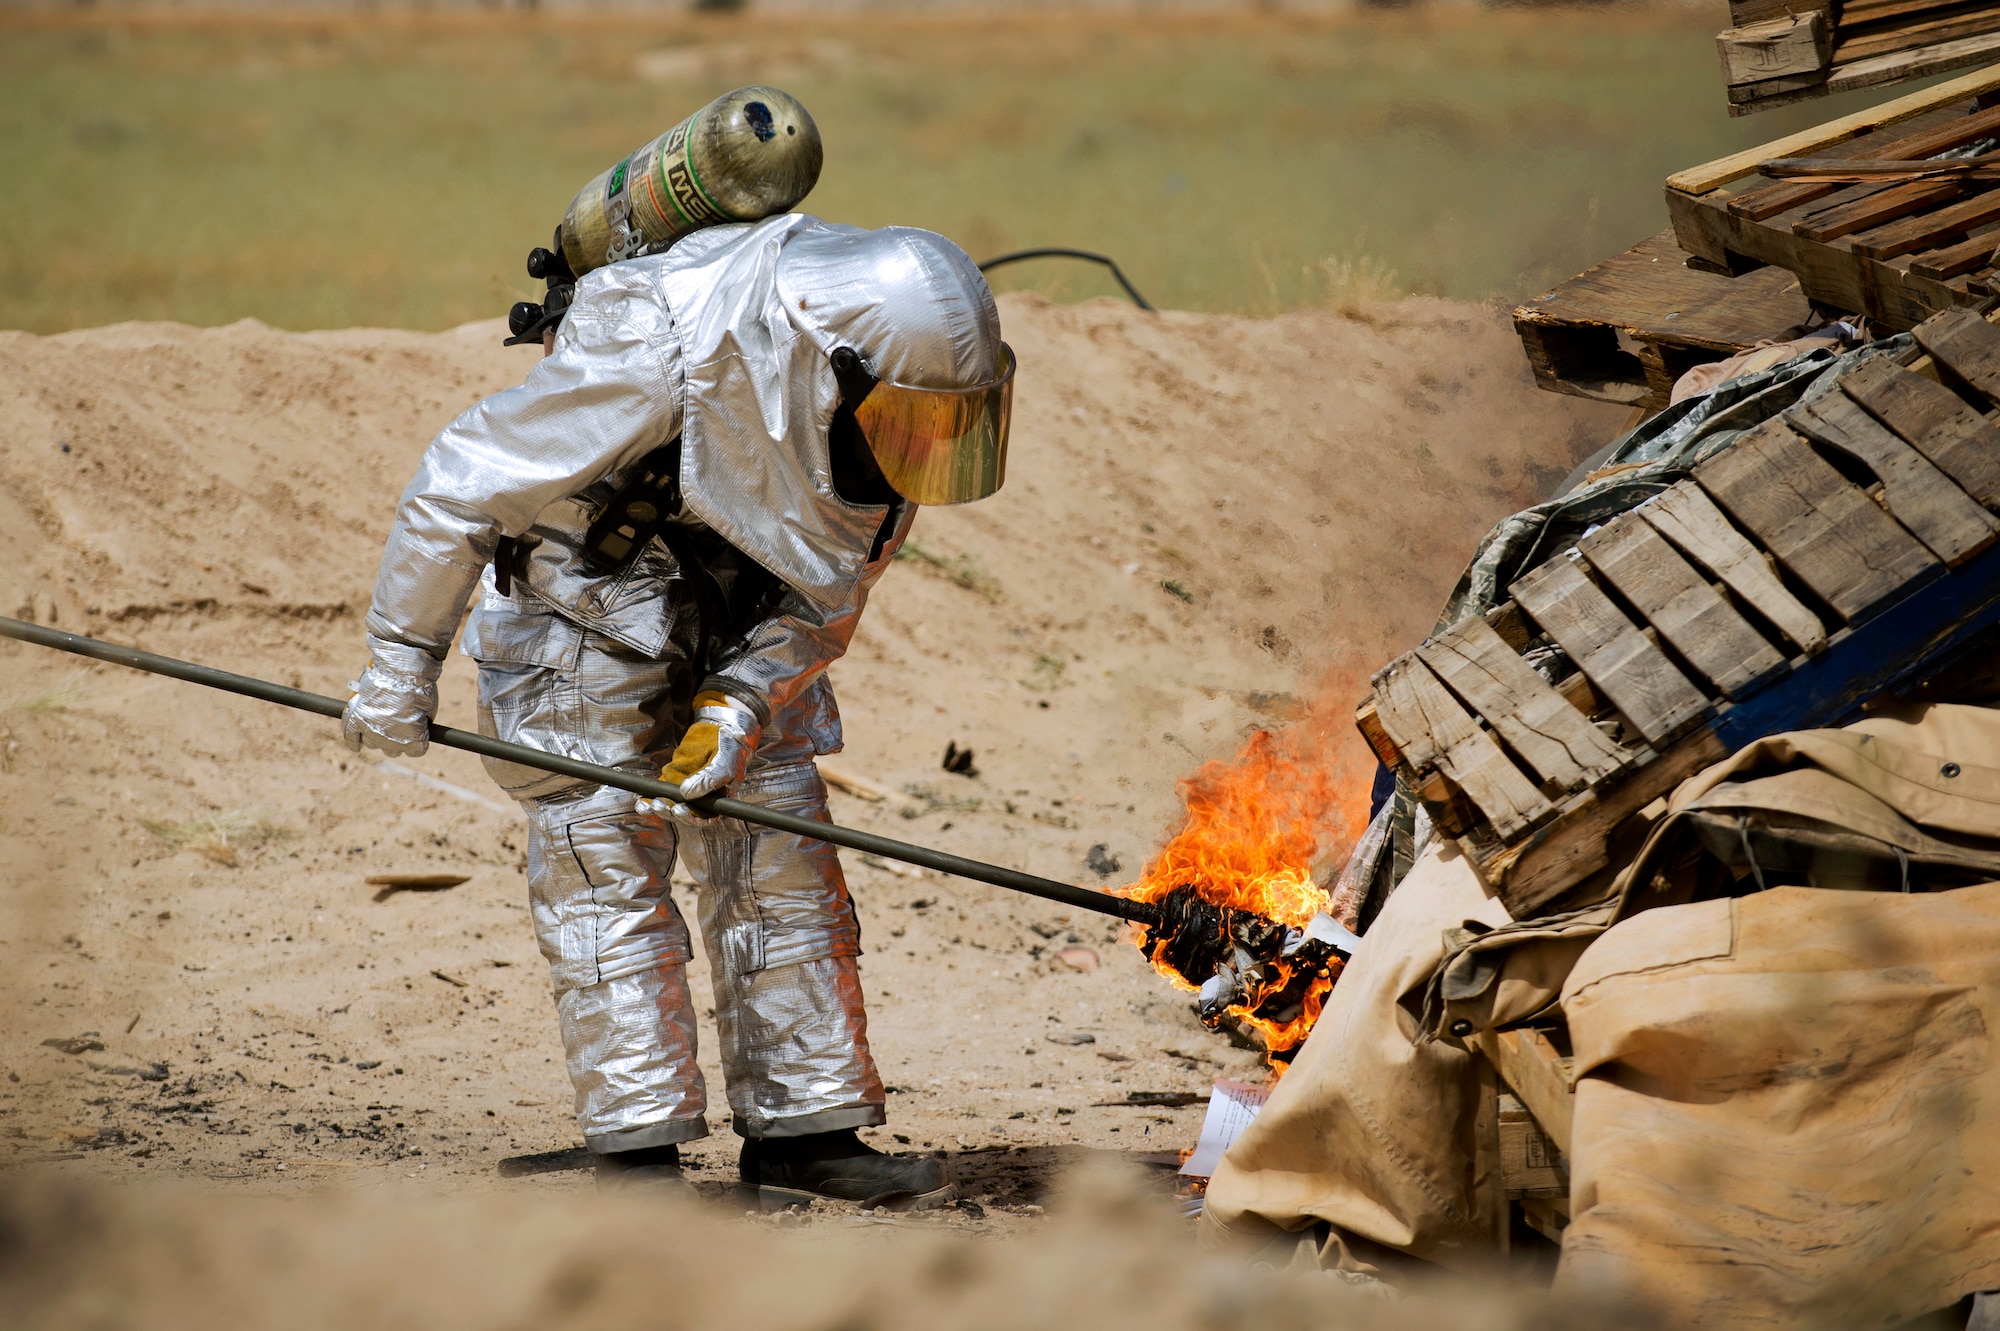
(1209, 522)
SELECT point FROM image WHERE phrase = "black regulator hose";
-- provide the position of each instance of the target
(1086, 255)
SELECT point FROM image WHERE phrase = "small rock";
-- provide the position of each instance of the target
(76, 1044)
(1079, 959)
(1101, 861)
(1071, 1037)
(958, 761)
(971, 1208)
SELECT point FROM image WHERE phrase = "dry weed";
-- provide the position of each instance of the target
(1352, 282)
(960, 570)
(223, 837)
(53, 700)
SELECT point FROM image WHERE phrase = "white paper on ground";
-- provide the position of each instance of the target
(1231, 1108)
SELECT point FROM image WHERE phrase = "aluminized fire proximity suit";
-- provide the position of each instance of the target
(722, 341)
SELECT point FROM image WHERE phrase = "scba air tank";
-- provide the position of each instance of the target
(747, 155)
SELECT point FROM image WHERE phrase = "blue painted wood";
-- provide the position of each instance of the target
(1895, 646)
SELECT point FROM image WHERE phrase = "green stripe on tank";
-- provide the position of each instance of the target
(695, 176)
(667, 188)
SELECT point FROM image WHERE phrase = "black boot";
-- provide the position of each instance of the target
(654, 1170)
(780, 1171)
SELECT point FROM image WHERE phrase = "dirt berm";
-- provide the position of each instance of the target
(1208, 523)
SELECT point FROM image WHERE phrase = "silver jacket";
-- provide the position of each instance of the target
(722, 340)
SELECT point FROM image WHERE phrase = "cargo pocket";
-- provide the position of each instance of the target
(719, 857)
(559, 898)
(525, 658)
(802, 906)
(626, 861)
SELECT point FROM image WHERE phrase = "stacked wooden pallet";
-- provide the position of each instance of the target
(1896, 252)
(1626, 329)
(1781, 51)
(1822, 558)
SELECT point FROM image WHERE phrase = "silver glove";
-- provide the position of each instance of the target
(394, 700)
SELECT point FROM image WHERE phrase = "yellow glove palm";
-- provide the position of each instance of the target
(712, 755)
(697, 748)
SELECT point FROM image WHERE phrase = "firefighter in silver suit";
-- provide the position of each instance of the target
(673, 525)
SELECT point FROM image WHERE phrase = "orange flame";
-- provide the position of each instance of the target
(1255, 827)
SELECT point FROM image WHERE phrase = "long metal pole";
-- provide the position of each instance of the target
(486, 746)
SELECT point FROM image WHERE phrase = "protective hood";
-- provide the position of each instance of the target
(759, 309)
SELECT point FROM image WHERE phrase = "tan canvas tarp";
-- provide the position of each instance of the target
(1788, 1107)
(1371, 1131)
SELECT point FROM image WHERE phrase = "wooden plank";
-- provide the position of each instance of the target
(1900, 65)
(1966, 345)
(1833, 537)
(1549, 1217)
(1690, 519)
(1929, 229)
(1713, 175)
(1368, 720)
(1531, 1165)
(1884, 291)
(1897, 647)
(1918, 495)
(1650, 294)
(1744, 97)
(1539, 1077)
(1933, 420)
(1538, 869)
(1876, 208)
(1770, 200)
(1550, 735)
(1433, 731)
(1871, 11)
(1638, 678)
(1745, 12)
(1968, 256)
(1914, 33)
(1682, 605)
(1795, 44)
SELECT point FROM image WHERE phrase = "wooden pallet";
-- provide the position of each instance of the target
(1782, 51)
(1627, 329)
(1897, 253)
(1840, 550)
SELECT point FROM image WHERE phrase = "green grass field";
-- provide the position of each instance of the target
(354, 171)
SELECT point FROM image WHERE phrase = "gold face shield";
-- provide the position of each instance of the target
(941, 445)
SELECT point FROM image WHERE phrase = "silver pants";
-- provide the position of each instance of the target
(775, 917)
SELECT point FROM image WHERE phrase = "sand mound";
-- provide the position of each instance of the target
(1204, 517)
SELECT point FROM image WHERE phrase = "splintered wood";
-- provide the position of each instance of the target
(1817, 560)
(1538, 723)
(1935, 421)
(1825, 531)
(1895, 250)
(1690, 519)
(1621, 662)
(1945, 518)
(1427, 721)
